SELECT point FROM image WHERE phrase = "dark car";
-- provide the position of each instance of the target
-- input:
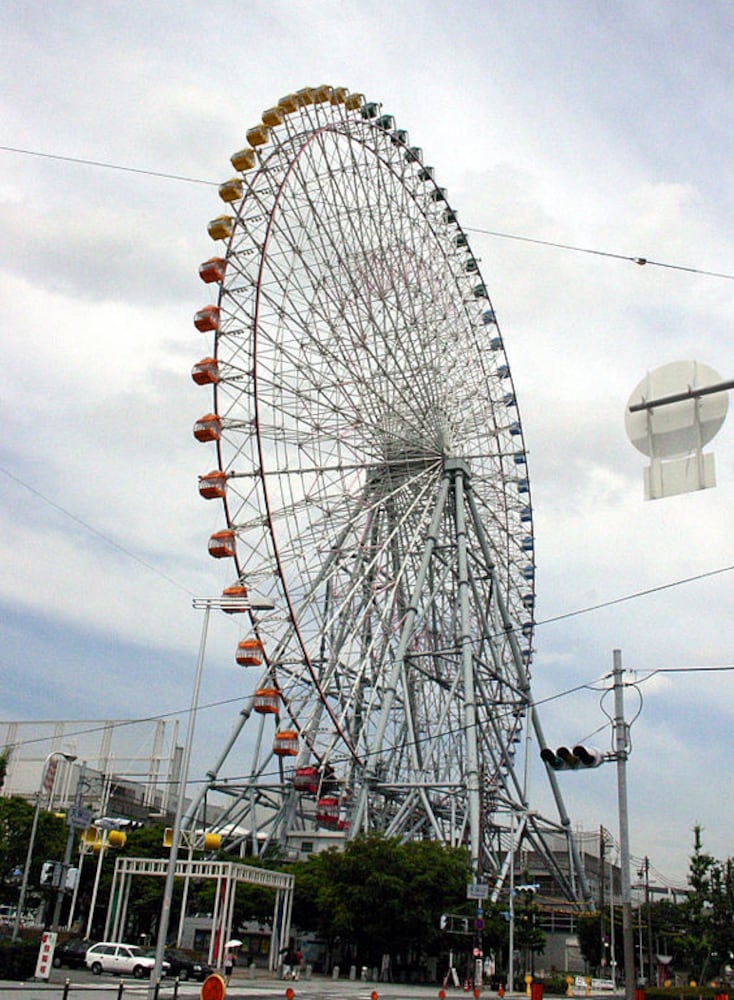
(72, 953)
(184, 967)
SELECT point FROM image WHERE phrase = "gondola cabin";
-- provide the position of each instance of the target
(222, 545)
(212, 270)
(249, 653)
(266, 701)
(243, 159)
(205, 372)
(207, 319)
(235, 598)
(285, 743)
(208, 428)
(231, 190)
(306, 780)
(212, 486)
(221, 227)
(327, 811)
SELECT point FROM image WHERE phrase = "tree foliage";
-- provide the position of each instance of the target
(698, 933)
(380, 896)
(16, 820)
(529, 937)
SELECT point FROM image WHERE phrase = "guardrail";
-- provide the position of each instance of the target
(68, 990)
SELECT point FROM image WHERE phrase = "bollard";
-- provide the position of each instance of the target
(335, 972)
(252, 970)
(65, 994)
(309, 971)
(175, 988)
(120, 989)
(352, 972)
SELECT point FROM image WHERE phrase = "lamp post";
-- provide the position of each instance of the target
(224, 603)
(34, 827)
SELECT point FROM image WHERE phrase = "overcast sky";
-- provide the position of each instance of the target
(607, 126)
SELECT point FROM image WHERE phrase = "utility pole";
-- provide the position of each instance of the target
(602, 928)
(621, 749)
(648, 911)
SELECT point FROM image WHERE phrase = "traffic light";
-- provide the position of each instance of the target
(565, 759)
(51, 874)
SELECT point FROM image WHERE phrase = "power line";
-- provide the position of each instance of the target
(556, 245)
(94, 531)
(600, 253)
(633, 596)
(107, 166)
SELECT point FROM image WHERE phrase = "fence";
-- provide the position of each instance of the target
(71, 991)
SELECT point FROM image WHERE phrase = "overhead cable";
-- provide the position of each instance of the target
(83, 161)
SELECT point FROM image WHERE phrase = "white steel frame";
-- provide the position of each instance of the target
(228, 875)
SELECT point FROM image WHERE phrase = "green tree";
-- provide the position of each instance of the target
(722, 915)
(696, 939)
(380, 896)
(529, 937)
(16, 821)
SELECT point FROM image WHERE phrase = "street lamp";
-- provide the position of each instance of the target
(229, 603)
(29, 856)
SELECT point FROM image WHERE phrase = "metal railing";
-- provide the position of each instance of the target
(68, 990)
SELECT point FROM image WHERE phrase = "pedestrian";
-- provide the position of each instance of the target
(289, 965)
(228, 966)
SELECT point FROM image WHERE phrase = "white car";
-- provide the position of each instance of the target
(121, 959)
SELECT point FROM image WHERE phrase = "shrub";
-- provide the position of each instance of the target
(18, 958)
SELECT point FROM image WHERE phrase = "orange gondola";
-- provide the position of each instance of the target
(221, 544)
(212, 270)
(207, 319)
(285, 743)
(267, 701)
(208, 428)
(249, 653)
(237, 592)
(212, 486)
(205, 372)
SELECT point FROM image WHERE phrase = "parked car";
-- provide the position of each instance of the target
(72, 953)
(185, 967)
(121, 959)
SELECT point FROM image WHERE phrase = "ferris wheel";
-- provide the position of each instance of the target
(370, 462)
